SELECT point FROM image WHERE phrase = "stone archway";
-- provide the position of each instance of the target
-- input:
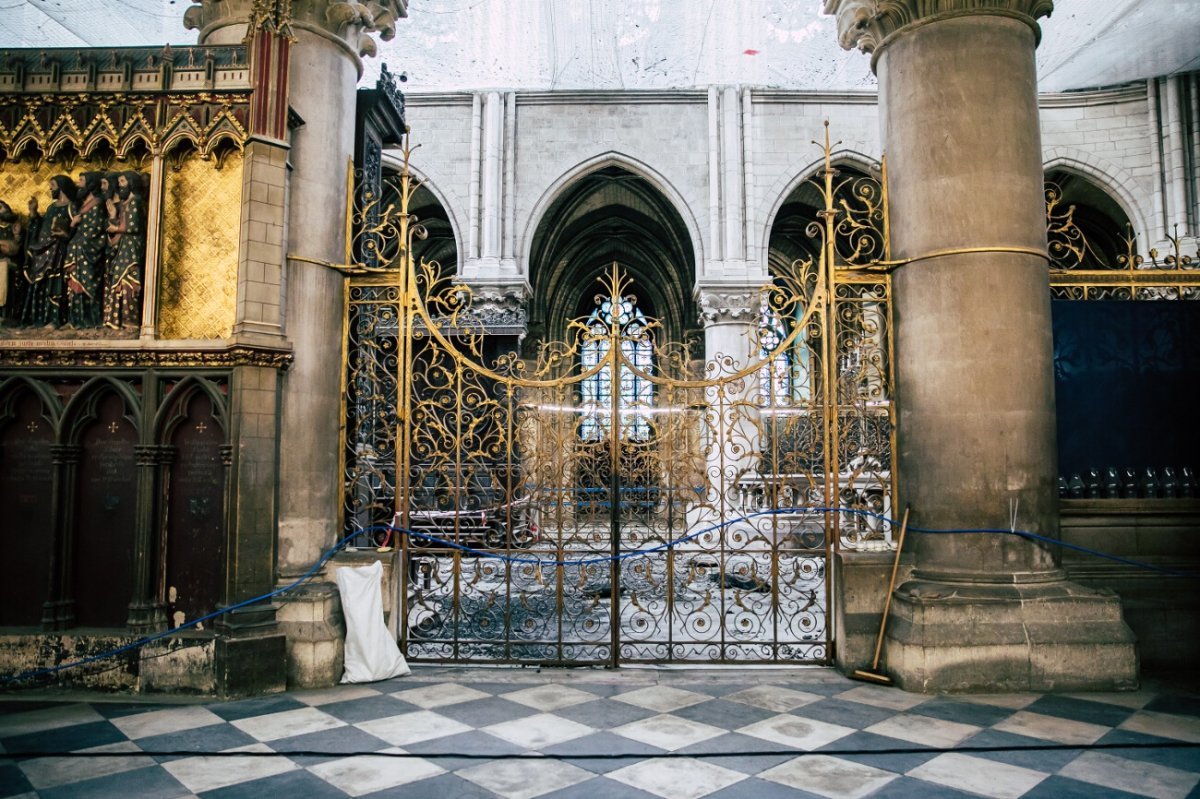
(611, 214)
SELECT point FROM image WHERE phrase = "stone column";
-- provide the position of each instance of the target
(309, 60)
(489, 248)
(975, 383)
(324, 66)
(58, 612)
(146, 615)
(729, 314)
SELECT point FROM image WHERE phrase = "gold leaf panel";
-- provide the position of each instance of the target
(20, 180)
(198, 285)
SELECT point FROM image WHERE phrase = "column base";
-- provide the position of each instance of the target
(312, 621)
(986, 637)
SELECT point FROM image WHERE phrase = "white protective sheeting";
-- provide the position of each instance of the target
(371, 654)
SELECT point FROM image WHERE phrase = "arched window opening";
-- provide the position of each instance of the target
(635, 398)
(1086, 227)
(611, 216)
(789, 379)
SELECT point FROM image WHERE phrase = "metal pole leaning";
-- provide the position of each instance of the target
(873, 674)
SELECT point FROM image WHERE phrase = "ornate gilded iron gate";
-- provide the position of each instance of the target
(604, 500)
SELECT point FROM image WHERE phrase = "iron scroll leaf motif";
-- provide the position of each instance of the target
(602, 499)
(585, 489)
(1083, 270)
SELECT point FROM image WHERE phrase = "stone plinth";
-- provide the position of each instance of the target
(861, 580)
(1053, 636)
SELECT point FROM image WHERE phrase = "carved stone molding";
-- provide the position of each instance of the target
(868, 24)
(348, 22)
(728, 305)
(25, 357)
(81, 123)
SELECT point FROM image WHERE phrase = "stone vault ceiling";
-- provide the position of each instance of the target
(448, 45)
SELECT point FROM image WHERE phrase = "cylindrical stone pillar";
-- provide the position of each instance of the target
(974, 371)
(321, 87)
(975, 432)
(319, 44)
(329, 37)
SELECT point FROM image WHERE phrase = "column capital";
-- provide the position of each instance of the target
(346, 21)
(868, 24)
(500, 306)
(738, 304)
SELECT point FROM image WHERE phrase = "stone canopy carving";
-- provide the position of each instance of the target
(348, 21)
(866, 24)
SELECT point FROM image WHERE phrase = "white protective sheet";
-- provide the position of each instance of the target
(371, 653)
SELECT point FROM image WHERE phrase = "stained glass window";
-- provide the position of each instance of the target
(788, 380)
(636, 392)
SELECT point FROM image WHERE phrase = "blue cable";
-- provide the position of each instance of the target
(581, 562)
(777, 511)
(158, 636)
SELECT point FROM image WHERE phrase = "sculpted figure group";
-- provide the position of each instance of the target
(78, 263)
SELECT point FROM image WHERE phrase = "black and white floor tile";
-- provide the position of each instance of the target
(670, 734)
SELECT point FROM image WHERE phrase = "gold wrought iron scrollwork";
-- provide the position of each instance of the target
(1154, 276)
(666, 523)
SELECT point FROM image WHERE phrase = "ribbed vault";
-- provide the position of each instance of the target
(605, 216)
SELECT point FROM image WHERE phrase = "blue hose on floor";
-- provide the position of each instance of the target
(414, 535)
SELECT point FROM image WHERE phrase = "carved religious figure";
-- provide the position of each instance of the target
(127, 252)
(83, 264)
(12, 237)
(43, 287)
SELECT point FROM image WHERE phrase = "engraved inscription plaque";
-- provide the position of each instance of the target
(196, 513)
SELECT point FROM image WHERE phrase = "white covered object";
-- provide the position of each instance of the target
(371, 654)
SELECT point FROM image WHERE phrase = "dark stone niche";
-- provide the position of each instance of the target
(195, 547)
(26, 482)
(105, 517)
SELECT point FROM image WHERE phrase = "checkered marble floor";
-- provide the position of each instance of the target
(672, 734)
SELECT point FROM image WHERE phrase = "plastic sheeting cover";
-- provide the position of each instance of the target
(371, 654)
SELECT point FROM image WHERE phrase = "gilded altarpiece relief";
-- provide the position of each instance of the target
(73, 241)
(201, 217)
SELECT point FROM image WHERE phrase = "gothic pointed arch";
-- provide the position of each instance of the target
(101, 425)
(1082, 200)
(28, 415)
(432, 211)
(610, 213)
(191, 426)
(174, 408)
(799, 205)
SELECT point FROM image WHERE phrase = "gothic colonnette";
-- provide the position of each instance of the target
(212, 370)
